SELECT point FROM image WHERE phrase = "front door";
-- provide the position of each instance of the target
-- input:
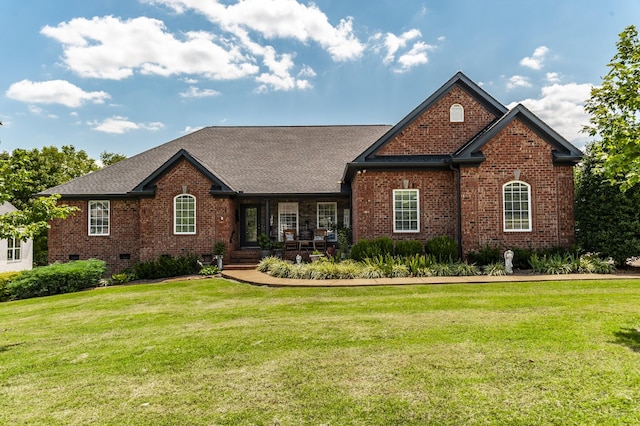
(249, 225)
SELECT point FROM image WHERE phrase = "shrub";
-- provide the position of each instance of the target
(57, 278)
(266, 263)
(495, 269)
(521, 257)
(441, 270)
(607, 219)
(368, 249)
(384, 245)
(408, 248)
(568, 263)
(443, 248)
(486, 255)
(120, 278)
(167, 266)
(361, 250)
(5, 279)
(209, 270)
(464, 269)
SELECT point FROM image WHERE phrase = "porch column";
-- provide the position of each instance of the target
(267, 218)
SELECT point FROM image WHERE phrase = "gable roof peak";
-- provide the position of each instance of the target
(458, 79)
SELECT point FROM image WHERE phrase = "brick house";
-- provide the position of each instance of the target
(460, 164)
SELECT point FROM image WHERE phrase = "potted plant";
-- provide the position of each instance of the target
(219, 250)
(315, 255)
(265, 245)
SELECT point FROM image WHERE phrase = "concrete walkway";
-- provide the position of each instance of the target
(260, 278)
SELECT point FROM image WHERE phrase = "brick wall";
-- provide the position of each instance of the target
(215, 217)
(142, 229)
(517, 148)
(433, 133)
(119, 249)
(372, 197)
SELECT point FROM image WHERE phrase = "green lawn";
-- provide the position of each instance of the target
(215, 352)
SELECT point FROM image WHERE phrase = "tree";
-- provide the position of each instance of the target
(24, 173)
(607, 220)
(41, 169)
(614, 110)
(109, 158)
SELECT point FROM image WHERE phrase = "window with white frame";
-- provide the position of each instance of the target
(406, 210)
(517, 206)
(327, 213)
(346, 218)
(287, 217)
(184, 214)
(14, 250)
(99, 217)
(456, 113)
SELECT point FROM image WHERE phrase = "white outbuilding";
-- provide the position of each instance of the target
(15, 255)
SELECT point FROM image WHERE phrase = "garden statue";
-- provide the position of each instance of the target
(508, 262)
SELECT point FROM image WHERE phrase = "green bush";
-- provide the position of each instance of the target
(5, 279)
(486, 255)
(167, 266)
(607, 219)
(367, 249)
(57, 278)
(443, 248)
(409, 248)
(496, 269)
(209, 270)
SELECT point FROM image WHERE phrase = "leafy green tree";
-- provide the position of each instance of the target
(614, 110)
(41, 169)
(109, 158)
(24, 173)
(607, 220)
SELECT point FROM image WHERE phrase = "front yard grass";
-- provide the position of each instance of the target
(211, 352)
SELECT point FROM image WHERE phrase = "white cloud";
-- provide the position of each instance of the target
(395, 47)
(194, 92)
(393, 42)
(535, 62)
(416, 56)
(53, 92)
(190, 129)
(283, 19)
(518, 81)
(307, 71)
(553, 77)
(119, 125)
(111, 48)
(562, 108)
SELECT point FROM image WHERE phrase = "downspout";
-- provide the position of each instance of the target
(459, 196)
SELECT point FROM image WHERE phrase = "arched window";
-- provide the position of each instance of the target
(184, 214)
(516, 197)
(456, 113)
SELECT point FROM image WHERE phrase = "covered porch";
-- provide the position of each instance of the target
(304, 217)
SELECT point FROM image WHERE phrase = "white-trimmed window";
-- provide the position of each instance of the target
(99, 217)
(406, 210)
(456, 113)
(184, 214)
(327, 215)
(14, 252)
(287, 217)
(517, 206)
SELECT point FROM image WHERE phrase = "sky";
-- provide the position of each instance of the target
(123, 76)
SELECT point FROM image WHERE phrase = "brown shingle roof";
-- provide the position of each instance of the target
(252, 160)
